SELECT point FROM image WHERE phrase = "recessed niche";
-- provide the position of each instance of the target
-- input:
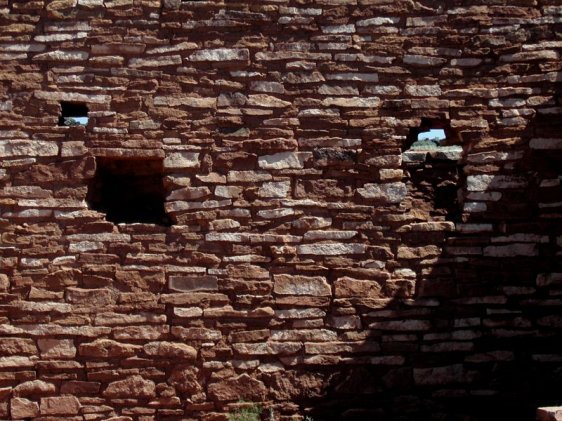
(432, 158)
(73, 114)
(129, 191)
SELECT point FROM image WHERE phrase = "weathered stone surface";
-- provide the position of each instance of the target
(177, 351)
(182, 160)
(18, 148)
(193, 283)
(107, 348)
(388, 192)
(349, 287)
(241, 387)
(34, 388)
(21, 408)
(221, 55)
(283, 160)
(301, 285)
(17, 346)
(60, 405)
(57, 348)
(100, 296)
(132, 387)
(185, 380)
(331, 249)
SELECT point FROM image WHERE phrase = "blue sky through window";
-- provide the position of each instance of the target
(438, 134)
(81, 120)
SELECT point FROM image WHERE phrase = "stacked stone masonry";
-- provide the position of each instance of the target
(311, 264)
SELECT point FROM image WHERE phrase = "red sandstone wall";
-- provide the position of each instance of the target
(309, 266)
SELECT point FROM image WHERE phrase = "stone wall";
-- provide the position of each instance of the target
(309, 263)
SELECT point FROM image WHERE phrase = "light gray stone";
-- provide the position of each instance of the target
(331, 249)
(161, 61)
(62, 56)
(389, 192)
(423, 90)
(221, 54)
(490, 182)
(17, 148)
(283, 160)
(301, 285)
(274, 189)
(419, 60)
(182, 159)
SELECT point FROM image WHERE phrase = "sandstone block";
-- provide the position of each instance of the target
(196, 333)
(266, 101)
(331, 249)
(178, 160)
(17, 346)
(19, 148)
(419, 60)
(418, 252)
(301, 285)
(283, 160)
(107, 348)
(60, 405)
(35, 388)
(388, 192)
(349, 287)
(489, 182)
(423, 90)
(185, 379)
(193, 283)
(62, 56)
(21, 408)
(99, 296)
(135, 387)
(221, 55)
(241, 387)
(161, 61)
(170, 350)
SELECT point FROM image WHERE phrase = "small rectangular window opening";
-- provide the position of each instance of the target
(433, 136)
(73, 114)
(129, 191)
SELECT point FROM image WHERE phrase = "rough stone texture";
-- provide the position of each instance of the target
(132, 387)
(60, 405)
(312, 263)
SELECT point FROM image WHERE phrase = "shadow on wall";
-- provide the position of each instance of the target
(481, 339)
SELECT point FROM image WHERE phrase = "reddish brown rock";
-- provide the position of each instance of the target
(349, 287)
(17, 346)
(60, 405)
(35, 388)
(185, 380)
(57, 348)
(107, 348)
(21, 408)
(241, 387)
(132, 387)
(171, 350)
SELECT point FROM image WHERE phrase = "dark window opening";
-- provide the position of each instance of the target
(73, 114)
(129, 191)
(431, 156)
(432, 134)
